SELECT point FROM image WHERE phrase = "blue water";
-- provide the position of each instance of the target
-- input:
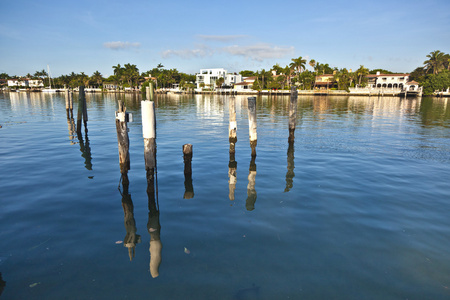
(356, 208)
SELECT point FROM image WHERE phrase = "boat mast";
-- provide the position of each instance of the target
(49, 79)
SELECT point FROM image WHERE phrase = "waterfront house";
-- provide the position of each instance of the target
(16, 82)
(325, 81)
(208, 77)
(110, 86)
(246, 84)
(387, 80)
(25, 82)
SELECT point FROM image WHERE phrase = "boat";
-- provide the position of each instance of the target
(49, 89)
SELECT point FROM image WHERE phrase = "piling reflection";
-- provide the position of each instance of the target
(85, 150)
(232, 167)
(2, 284)
(71, 126)
(153, 225)
(131, 238)
(290, 153)
(251, 191)
(187, 158)
(290, 167)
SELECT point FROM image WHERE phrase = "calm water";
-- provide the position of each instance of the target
(356, 208)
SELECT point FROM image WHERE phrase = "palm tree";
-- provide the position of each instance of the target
(97, 77)
(287, 71)
(298, 64)
(312, 63)
(447, 61)
(361, 72)
(118, 72)
(435, 61)
(131, 74)
(220, 81)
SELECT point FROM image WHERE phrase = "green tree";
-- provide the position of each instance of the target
(312, 63)
(438, 82)
(306, 80)
(97, 78)
(298, 64)
(435, 61)
(382, 71)
(247, 73)
(130, 73)
(361, 74)
(219, 82)
(343, 79)
(41, 74)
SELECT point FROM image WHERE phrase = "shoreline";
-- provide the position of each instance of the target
(370, 93)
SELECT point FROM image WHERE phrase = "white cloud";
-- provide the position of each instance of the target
(221, 38)
(120, 45)
(259, 52)
(200, 51)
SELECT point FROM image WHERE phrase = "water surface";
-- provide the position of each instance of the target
(355, 208)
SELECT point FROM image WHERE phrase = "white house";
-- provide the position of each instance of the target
(16, 82)
(387, 80)
(25, 82)
(246, 84)
(209, 76)
(35, 83)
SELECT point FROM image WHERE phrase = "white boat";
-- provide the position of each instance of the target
(49, 89)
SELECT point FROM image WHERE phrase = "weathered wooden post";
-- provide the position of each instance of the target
(251, 191)
(292, 112)
(71, 100)
(82, 110)
(67, 97)
(122, 138)
(149, 133)
(153, 226)
(187, 158)
(131, 238)
(232, 129)
(252, 124)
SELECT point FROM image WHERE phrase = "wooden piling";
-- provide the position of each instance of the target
(82, 110)
(71, 100)
(252, 124)
(232, 129)
(292, 112)
(122, 138)
(153, 225)
(149, 134)
(187, 158)
(150, 92)
(66, 94)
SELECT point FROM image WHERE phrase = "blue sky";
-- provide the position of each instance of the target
(85, 36)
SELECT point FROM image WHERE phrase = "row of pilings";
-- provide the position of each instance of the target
(149, 137)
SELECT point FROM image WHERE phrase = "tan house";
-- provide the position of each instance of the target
(325, 81)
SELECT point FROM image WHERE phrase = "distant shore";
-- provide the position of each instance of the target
(316, 92)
